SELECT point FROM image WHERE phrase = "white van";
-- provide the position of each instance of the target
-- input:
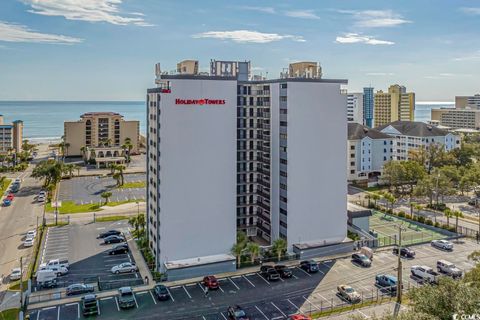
(59, 270)
(46, 276)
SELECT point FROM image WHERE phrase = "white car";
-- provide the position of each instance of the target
(124, 268)
(442, 244)
(41, 199)
(29, 242)
(425, 273)
(59, 270)
(31, 234)
(16, 274)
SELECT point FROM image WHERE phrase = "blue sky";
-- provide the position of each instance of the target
(106, 49)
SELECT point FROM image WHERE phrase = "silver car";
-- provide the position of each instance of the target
(442, 244)
(124, 268)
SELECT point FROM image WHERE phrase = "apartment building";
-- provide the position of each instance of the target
(395, 105)
(368, 151)
(368, 105)
(244, 155)
(11, 136)
(457, 118)
(100, 136)
(467, 102)
(355, 108)
(411, 135)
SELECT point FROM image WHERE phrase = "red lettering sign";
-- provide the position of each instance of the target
(200, 101)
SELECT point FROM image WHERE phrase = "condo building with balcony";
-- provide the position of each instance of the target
(11, 136)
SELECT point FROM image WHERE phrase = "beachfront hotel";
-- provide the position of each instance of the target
(395, 105)
(101, 136)
(11, 136)
(229, 151)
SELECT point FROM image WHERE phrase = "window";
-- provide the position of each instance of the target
(283, 186)
(352, 171)
(283, 123)
(352, 147)
(283, 111)
(283, 173)
(283, 161)
(283, 98)
(283, 199)
(283, 85)
(351, 163)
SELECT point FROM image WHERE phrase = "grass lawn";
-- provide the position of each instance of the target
(10, 314)
(4, 186)
(69, 207)
(111, 218)
(130, 185)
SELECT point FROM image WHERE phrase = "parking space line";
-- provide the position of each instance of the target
(293, 305)
(294, 276)
(363, 314)
(38, 314)
(264, 279)
(48, 308)
(107, 298)
(234, 284)
(273, 304)
(263, 314)
(308, 274)
(58, 313)
(134, 298)
(188, 294)
(311, 303)
(153, 298)
(98, 308)
(219, 287)
(318, 294)
(170, 294)
(223, 316)
(248, 281)
(116, 301)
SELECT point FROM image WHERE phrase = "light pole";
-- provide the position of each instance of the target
(399, 271)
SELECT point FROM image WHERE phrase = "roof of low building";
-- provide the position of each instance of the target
(415, 129)
(357, 131)
(91, 114)
(356, 211)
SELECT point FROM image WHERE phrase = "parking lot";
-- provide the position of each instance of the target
(88, 257)
(83, 190)
(262, 299)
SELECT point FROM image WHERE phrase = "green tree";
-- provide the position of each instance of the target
(279, 247)
(254, 250)
(117, 178)
(49, 170)
(106, 195)
(448, 214)
(457, 214)
(127, 145)
(69, 168)
(432, 157)
(390, 198)
(237, 251)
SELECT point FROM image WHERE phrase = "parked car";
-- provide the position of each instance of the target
(361, 259)
(29, 241)
(284, 271)
(309, 266)
(16, 274)
(113, 239)
(126, 297)
(78, 288)
(6, 202)
(404, 252)
(474, 201)
(161, 292)
(89, 305)
(56, 263)
(109, 233)
(449, 269)
(210, 282)
(59, 270)
(31, 233)
(442, 244)
(269, 273)
(348, 293)
(299, 317)
(10, 196)
(367, 251)
(425, 273)
(236, 313)
(124, 268)
(119, 249)
(41, 199)
(46, 278)
(386, 282)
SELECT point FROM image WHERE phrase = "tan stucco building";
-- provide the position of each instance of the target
(11, 136)
(395, 105)
(102, 133)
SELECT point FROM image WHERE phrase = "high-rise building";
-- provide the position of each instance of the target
(457, 118)
(257, 156)
(467, 102)
(368, 104)
(11, 136)
(395, 105)
(355, 108)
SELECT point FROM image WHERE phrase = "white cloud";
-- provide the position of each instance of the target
(471, 10)
(303, 14)
(376, 18)
(260, 9)
(380, 74)
(19, 33)
(87, 10)
(446, 75)
(469, 57)
(243, 36)
(349, 38)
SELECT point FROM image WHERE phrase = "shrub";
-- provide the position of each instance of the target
(409, 217)
(437, 224)
(389, 211)
(401, 214)
(429, 222)
(421, 219)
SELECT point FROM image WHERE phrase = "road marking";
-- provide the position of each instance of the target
(153, 298)
(248, 281)
(318, 294)
(263, 314)
(219, 287)
(273, 304)
(38, 315)
(293, 305)
(48, 308)
(101, 228)
(204, 318)
(308, 274)
(170, 294)
(268, 282)
(311, 303)
(188, 294)
(98, 308)
(58, 313)
(234, 283)
(135, 300)
(294, 276)
(363, 314)
(223, 316)
(116, 301)
(107, 298)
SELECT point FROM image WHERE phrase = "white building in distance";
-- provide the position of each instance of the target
(355, 108)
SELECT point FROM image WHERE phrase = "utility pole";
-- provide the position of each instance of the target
(21, 282)
(399, 271)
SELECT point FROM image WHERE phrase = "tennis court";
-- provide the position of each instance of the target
(386, 227)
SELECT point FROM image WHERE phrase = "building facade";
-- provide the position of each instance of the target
(414, 135)
(368, 151)
(11, 136)
(368, 104)
(243, 155)
(395, 105)
(467, 102)
(355, 108)
(101, 135)
(457, 118)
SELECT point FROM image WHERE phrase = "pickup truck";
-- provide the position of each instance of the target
(56, 263)
(425, 273)
(449, 269)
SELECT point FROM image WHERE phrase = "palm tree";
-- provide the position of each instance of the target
(120, 169)
(128, 146)
(141, 221)
(457, 214)
(113, 167)
(279, 247)
(117, 178)
(83, 149)
(375, 198)
(134, 222)
(106, 195)
(390, 199)
(448, 214)
(68, 168)
(237, 250)
(78, 167)
(254, 250)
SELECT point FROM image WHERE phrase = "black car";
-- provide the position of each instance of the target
(361, 259)
(113, 239)
(119, 249)
(284, 271)
(237, 313)
(309, 266)
(109, 233)
(89, 305)
(78, 288)
(161, 292)
(269, 273)
(404, 252)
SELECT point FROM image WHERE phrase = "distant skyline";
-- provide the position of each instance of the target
(106, 49)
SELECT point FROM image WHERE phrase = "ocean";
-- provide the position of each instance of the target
(43, 120)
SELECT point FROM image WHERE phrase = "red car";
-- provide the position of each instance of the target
(10, 197)
(210, 282)
(299, 317)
